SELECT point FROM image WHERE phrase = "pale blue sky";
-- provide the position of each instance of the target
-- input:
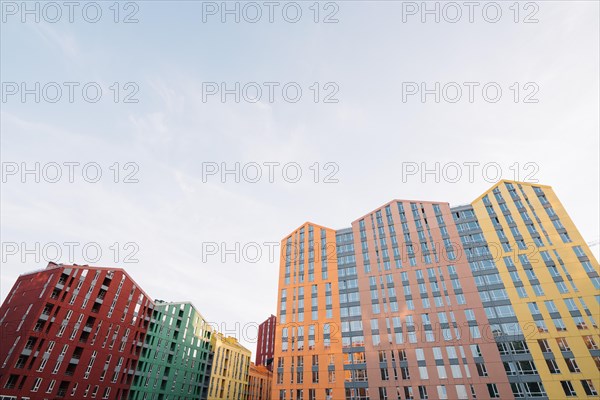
(369, 133)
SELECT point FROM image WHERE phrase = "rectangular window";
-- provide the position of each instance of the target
(588, 387)
(493, 390)
(568, 388)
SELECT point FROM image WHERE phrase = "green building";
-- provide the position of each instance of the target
(176, 359)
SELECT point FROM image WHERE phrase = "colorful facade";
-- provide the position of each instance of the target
(309, 359)
(259, 382)
(265, 344)
(72, 331)
(229, 373)
(504, 327)
(498, 299)
(415, 300)
(552, 281)
(176, 357)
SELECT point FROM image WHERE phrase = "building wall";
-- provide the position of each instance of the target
(422, 326)
(176, 357)
(504, 328)
(308, 351)
(432, 302)
(265, 345)
(259, 382)
(72, 330)
(229, 373)
(552, 281)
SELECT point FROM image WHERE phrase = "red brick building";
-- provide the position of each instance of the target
(72, 331)
(265, 346)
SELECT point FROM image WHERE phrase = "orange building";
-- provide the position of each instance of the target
(417, 300)
(384, 309)
(308, 352)
(259, 382)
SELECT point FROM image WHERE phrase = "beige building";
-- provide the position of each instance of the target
(229, 375)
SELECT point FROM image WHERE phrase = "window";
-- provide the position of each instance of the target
(572, 365)
(579, 251)
(587, 266)
(451, 351)
(461, 391)
(405, 372)
(588, 387)
(590, 342)
(537, 289)
(456, 372)
(552, 366)
(541, 326)
(571, 305)
(533, 308)
(493, 390)
(551, 306)
(36, 385)
(481, 369)
(562, 287)
(383, 393)
(475, 350)
(522, 292)
(563, 344)
(401, 355)
(580, 323)
(441, 370)
(559, 324)
(470, 314)
(568, 388)
(51, 386)
(423, 393)
(544, 346)
(384, 374)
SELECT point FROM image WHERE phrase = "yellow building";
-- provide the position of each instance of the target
(229, 375)
(552, 280)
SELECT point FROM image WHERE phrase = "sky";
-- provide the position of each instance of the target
(172, 140)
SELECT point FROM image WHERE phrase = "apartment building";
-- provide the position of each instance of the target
(417, 300)
(265, 344)
(176, 358)
(259, 382)
(230, 368)
(72, 331)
